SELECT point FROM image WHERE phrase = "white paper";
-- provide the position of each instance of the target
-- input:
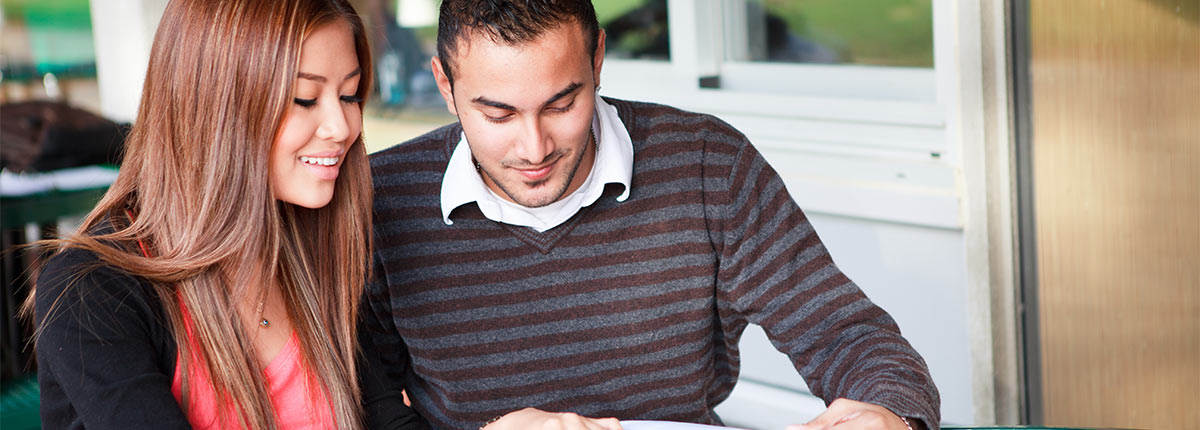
(665, 425)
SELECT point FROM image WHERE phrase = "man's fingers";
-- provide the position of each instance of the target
(602, 423)
(609, 423)
(847, 417)
(837, 412)
(861, 421)
(573, 421)
(831, 416)
(802, 427)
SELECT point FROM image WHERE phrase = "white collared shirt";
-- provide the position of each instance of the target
(613, 164)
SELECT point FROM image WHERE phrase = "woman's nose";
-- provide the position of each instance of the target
(333, 126)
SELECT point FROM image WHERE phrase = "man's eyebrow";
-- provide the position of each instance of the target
(321, 79)
(568, 90)
(501, 105)
(481, 100)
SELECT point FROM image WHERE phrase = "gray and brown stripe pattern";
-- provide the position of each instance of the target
(630, 309)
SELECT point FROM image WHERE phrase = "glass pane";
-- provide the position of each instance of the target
(637, 29)
(47, 36)
(47, 53)
(896, 33)
(403, 38)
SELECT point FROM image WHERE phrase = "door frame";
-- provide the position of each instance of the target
(1030, 354)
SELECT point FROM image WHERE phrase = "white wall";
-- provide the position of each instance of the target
(123, 31)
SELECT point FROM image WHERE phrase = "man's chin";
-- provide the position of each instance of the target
(533, 201)
(533, 194)
(536, 195)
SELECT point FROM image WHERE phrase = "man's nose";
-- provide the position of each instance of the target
(534, 146)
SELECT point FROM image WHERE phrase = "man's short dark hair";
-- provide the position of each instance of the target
(509, 21)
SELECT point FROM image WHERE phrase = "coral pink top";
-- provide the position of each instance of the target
(298, 404)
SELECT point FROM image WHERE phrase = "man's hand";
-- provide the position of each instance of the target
(530, 418)
(846, 414)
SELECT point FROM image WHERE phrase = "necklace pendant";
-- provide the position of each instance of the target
(264, 323)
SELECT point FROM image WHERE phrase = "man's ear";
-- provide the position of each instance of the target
(443, 83)
(598, 57)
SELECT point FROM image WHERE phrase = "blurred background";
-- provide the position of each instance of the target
(1016, 181)
(895, 33)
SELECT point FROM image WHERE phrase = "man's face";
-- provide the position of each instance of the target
(527, 111)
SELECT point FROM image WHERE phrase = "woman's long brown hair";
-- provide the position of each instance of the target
(195, 177)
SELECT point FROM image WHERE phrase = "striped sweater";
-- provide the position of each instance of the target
(629, 309)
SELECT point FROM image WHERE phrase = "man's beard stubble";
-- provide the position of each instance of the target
(558, 193)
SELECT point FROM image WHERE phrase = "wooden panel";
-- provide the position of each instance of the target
(1116, 159)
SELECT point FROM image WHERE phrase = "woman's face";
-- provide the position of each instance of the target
(323, 120)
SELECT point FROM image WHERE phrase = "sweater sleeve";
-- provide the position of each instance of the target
(385, 360)
(97, 351)
(383, 402)
(775, 272)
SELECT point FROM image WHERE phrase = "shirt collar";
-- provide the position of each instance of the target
(613, 165)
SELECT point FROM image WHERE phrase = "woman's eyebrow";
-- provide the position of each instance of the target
(322, 79)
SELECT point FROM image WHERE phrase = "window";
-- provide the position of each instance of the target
(854, 74)
(636, 29)
(49, 44)
(865, 49)
(894, 33)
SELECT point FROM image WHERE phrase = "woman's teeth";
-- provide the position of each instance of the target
(320, 161)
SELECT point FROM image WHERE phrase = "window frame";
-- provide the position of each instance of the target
(848, 93)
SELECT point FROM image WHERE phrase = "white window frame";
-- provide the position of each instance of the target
(698, 47)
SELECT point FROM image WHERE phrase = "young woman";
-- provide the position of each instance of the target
(217, 283)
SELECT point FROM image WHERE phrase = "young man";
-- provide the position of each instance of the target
(561, 251)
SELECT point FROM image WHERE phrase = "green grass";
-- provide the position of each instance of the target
(879, 32)
(875, 32)
(607, 10)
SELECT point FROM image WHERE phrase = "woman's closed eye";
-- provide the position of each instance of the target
(308, 103)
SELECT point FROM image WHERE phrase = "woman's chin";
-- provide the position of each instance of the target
(314, 200)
